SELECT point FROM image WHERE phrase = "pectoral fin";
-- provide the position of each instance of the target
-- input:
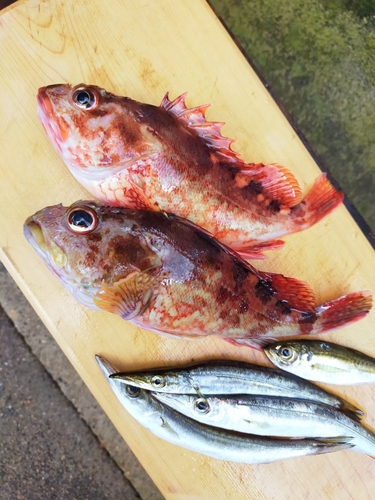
(143, 201)
(128, 297)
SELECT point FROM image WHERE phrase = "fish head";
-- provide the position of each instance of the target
(161, 381)
(187, 404)
(136, 401)
(148, 381)
(88, 246)
(94, 131)
(140, 403)
(288, 354)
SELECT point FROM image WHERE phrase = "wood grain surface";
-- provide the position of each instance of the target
(143, 49)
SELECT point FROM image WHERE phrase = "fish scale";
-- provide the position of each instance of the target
(323, 362)
(233, 377)
(169, 157)
(167, 275)
(218, 443)
(271, 416)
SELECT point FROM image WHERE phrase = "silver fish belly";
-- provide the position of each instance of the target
(232, 377)
(178, 429)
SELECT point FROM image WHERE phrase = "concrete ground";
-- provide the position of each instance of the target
(56, 442)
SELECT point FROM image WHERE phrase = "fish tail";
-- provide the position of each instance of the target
(364, 441)
(351, 411)
(327, 445)
(342, 311)
(319, 202)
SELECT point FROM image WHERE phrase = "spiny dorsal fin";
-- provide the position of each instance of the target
(276, 183)
(209, 131)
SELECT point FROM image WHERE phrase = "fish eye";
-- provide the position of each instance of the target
(133, 391)
(82, 220)
(84, 98)
(286, 353)
(202, 406)
(158, 381)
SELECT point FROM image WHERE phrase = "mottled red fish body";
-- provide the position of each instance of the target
(166, 274)
(169, 157)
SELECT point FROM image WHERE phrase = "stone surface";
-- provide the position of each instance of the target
(46, 450)
(57, 365)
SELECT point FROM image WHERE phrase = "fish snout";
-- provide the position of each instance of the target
(55, 126)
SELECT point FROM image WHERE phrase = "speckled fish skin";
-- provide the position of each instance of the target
(271, 416)
(167, 275)
(323, 362)
(224, 445)
(229, 377)
(136, 155)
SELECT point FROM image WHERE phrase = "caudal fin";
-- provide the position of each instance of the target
(319, 202)
(342, 311)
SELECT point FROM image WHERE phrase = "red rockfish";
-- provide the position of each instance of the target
(168, 157)
(166, 274)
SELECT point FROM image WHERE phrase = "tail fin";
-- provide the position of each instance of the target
(319, 202)
(342, 311)
(330, 444)
(350, 410)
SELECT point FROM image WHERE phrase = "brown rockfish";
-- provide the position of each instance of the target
(167, 275)
(168, 157)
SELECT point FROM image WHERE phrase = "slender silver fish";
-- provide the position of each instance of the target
(233, 377)
(225, 445)
(323, 362)
(271, 416)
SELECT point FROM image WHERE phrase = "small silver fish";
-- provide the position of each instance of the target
(225, 445)
(233, 377)
(323, 362)
(271, 416)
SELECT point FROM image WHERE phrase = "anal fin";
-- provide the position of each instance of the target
(256, 251)
(257, 344)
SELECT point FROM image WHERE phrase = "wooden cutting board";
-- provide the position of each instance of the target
(143, 49)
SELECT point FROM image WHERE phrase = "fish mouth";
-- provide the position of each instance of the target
(34, 235)
(129, 380)
(106, 367)
(270, 355)
(50, 252)
(54, 126)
